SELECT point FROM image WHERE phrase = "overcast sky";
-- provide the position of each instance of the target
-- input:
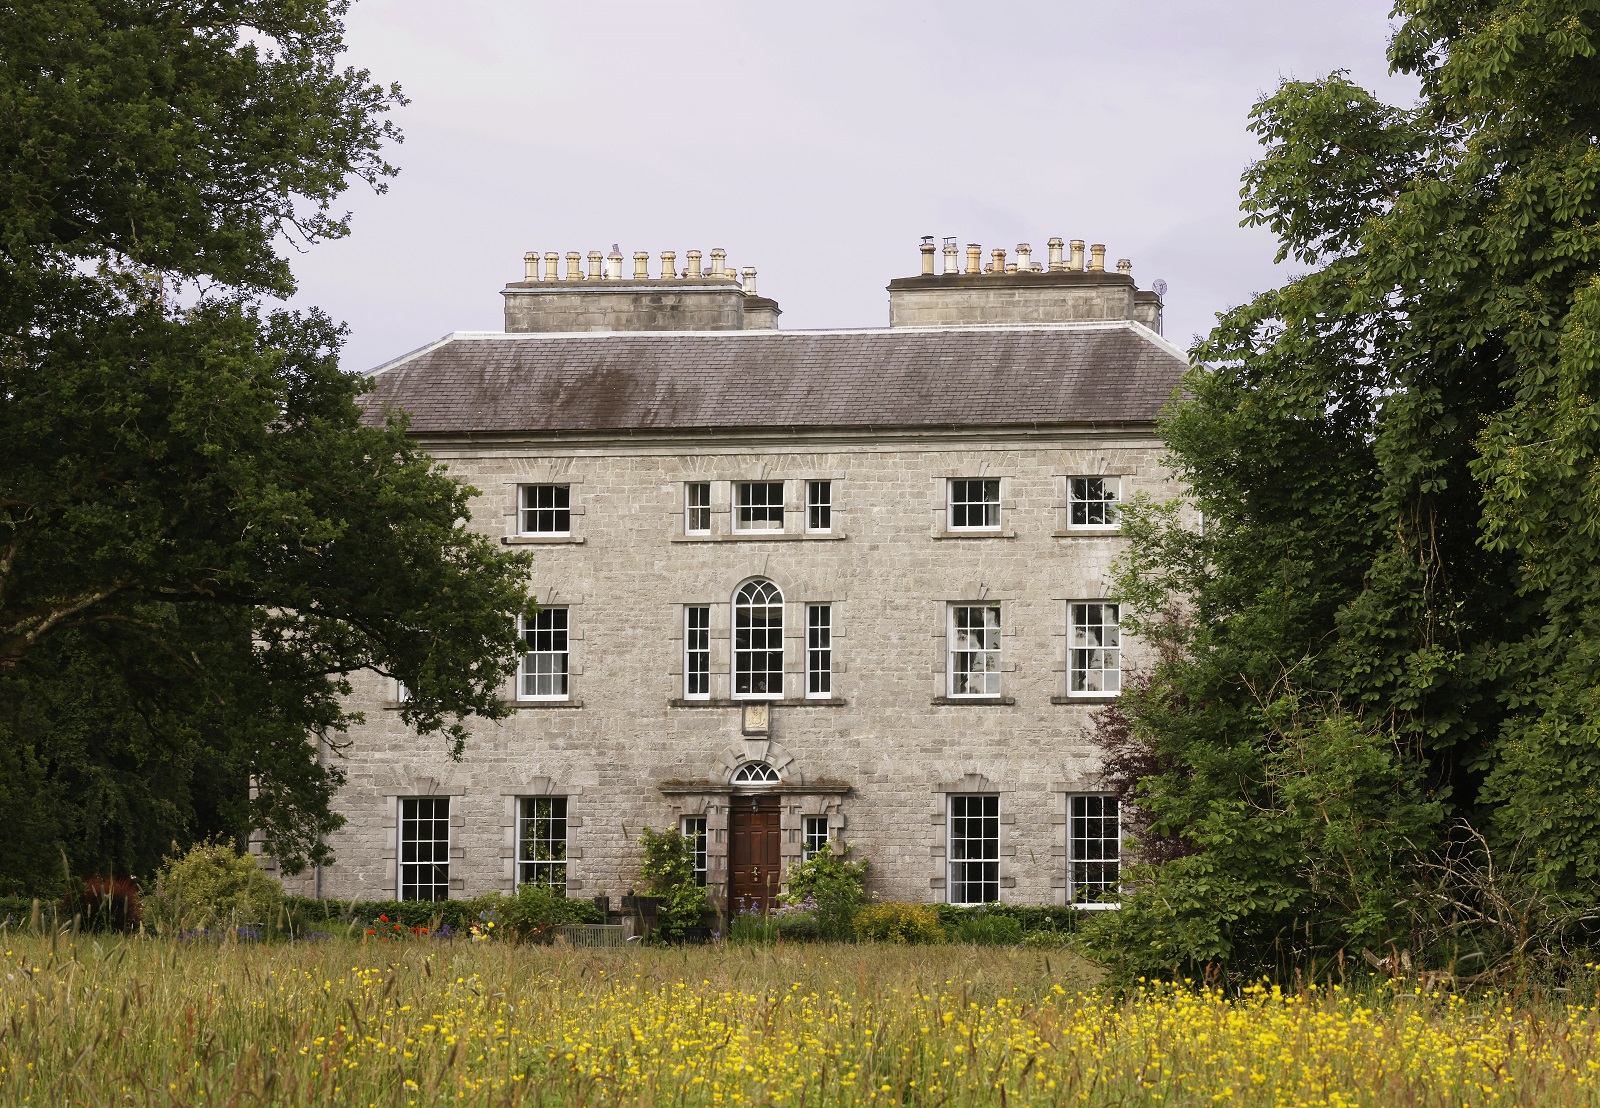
(817, 142)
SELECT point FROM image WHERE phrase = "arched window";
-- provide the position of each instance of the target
(755, 773)
(758, 640)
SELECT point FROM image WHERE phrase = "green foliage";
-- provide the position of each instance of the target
(894, 921)
(213, 887)
(830, 888)
(1058, 918)
(667, 871)
(986, 929)
(535, 909)
(1374, 669)
(200, 541)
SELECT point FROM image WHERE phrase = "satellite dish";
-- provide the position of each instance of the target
(1160, 287)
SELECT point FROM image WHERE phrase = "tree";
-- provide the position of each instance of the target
(1378, 658)
(200, 541)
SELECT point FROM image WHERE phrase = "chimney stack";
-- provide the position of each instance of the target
(614, 264)
(1075, 262)
(1056, 264)
(1024, 256)
(530, 266)
(574, 266)
(1124, 266)
(669, 264)
(694, 265)
(952, 259)
(928, 250)
(1097, 258)
(974, 258)
(641, 265)
(719, 258)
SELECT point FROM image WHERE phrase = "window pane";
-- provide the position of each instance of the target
(819, 505)
(697, 651)
(819, 650)
(973, 849)
(759, 507)
(542, 842)
(1095, 649)
(814, 838)
(544, 657)
(1094, 847)
(975, 650)
(1093, 501)
(546, 510)
(424, 848)
(693, 828)
(975, 504)
(758, 640)
(697, 508)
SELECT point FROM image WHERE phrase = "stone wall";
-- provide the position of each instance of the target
(878, 758)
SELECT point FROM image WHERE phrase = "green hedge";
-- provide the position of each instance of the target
(308, 914)
(1054, 917)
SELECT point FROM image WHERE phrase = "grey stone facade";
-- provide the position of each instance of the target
(879, 756)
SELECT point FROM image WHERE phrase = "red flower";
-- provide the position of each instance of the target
(385, 919)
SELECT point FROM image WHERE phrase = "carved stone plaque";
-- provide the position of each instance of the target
(756, 713)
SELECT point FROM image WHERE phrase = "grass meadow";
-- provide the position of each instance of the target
(149, 1021)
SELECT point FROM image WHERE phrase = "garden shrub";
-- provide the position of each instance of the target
(214, 886)
(105, 904)
(1032, 917)
(832, 889)
(984, 928)
(896, 921)
(667, 870)
(530, 915)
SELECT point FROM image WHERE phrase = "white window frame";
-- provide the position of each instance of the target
(1076, 842)
(693, 828)
(1094, 661)
(992, 656)
(755, 773)
(1105, 505)
(990, 857)
(819, 651)
(739, 654)
(691, 510)
(416, 866)
(814, 836)
(740, 504)
(564, 654)
(552, 866)
(696, 651)
(819, 503)
(966, 484)
(527, 512)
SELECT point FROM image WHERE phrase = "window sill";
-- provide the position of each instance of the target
(523, 704)
(765, 536)
(974, 534)
(1087, 533)
(682, 702)
(993, 701)
(540, 540)
(1096, 906)
(1087, 698)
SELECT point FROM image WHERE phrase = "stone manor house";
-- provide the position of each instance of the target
(794, 586)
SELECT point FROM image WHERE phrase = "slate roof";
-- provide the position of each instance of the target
(665, 380)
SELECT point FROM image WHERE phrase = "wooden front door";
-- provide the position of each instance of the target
(754, 869)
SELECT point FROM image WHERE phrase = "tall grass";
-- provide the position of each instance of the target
(148, 1021)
